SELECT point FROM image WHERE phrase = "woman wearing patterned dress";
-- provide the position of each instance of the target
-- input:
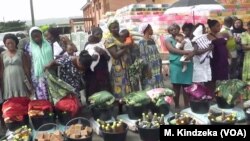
(41, 54)
(152, 75)
(119, 70)
(245, 40)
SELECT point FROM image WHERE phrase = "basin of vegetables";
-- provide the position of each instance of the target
(101, 105)
(136, 104)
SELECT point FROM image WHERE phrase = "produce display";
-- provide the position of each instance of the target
(182, 119)
(230, 89)
(112, 127)
(78, 131)
(222, 117)
(151, 121)
(102, 99)
(21, 134)
(137, 99)
(161, 96)
(45, 136)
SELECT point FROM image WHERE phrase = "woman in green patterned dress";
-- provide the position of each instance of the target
(245, 40)
(152, 69)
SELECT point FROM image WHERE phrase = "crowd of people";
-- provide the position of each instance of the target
(196, 55)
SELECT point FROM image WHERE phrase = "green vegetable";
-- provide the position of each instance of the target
(137, 99)
(102, 99)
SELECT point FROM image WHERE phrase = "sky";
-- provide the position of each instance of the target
(43, 9)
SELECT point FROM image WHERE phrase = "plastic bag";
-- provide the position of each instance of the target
(198, 92)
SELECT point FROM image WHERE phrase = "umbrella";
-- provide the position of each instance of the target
(194, 8)
(185, 3)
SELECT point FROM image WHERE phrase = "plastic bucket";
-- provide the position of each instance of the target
(102, 113)
(63, 117)
(149, 134)
(84, 122)
(135, 112)
(115, 136)
(247, 115)
(17, 124)
(163, 109)
(199, 107)
(223, 104)
(41, 120)
(220, 122)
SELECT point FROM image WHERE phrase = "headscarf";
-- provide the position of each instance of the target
(240, 29)
(112, 21)
(41, 56)
(143, 27)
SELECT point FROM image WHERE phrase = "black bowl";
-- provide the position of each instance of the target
(247, 115)
(199, 107)
(38, 121)
(149, 134)
(84, 122)
(64, 117)
(220, 122)
(102, 113)
(136, 112)
(107, 136)
(163, 109)
(223, 104)
(17, 124)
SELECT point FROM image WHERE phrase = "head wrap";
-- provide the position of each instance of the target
(41, 55)
(143, 27)
(112, 21)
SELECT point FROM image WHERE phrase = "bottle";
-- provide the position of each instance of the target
(223, 116)
(108, 129)
(100, 122)
(119, 128)
(161, 120)
(103, 128)
(113, 128)
(147, 118)
(154, 117)
(150, 115)
(144, 117)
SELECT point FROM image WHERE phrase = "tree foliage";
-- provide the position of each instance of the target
(12, 26)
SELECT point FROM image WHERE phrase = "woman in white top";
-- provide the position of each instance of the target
(202, 70)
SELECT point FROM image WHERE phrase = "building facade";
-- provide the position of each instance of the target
(93, 10)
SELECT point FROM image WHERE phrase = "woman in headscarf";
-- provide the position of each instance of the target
(219, 62)
(41, 54)
(97, 76)
(119, 71)
(152, 69)
(237, 31)
(178, 78)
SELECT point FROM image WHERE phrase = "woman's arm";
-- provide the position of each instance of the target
(171, 49)
(52, 64)
(202, 51)
(116, 54)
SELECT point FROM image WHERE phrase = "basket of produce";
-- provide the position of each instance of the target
(113, 131)
(67, 108)
(200, 98)
(54, 134)
(15, 111)
(182, 119)
(101, 105)
(136, 104)
(227, 92)
(149, 126)
(222, 118)
(78, 129)
(21, 134)
(161, 98)
(40, 113)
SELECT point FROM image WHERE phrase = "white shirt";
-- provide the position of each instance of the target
(57, 49)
